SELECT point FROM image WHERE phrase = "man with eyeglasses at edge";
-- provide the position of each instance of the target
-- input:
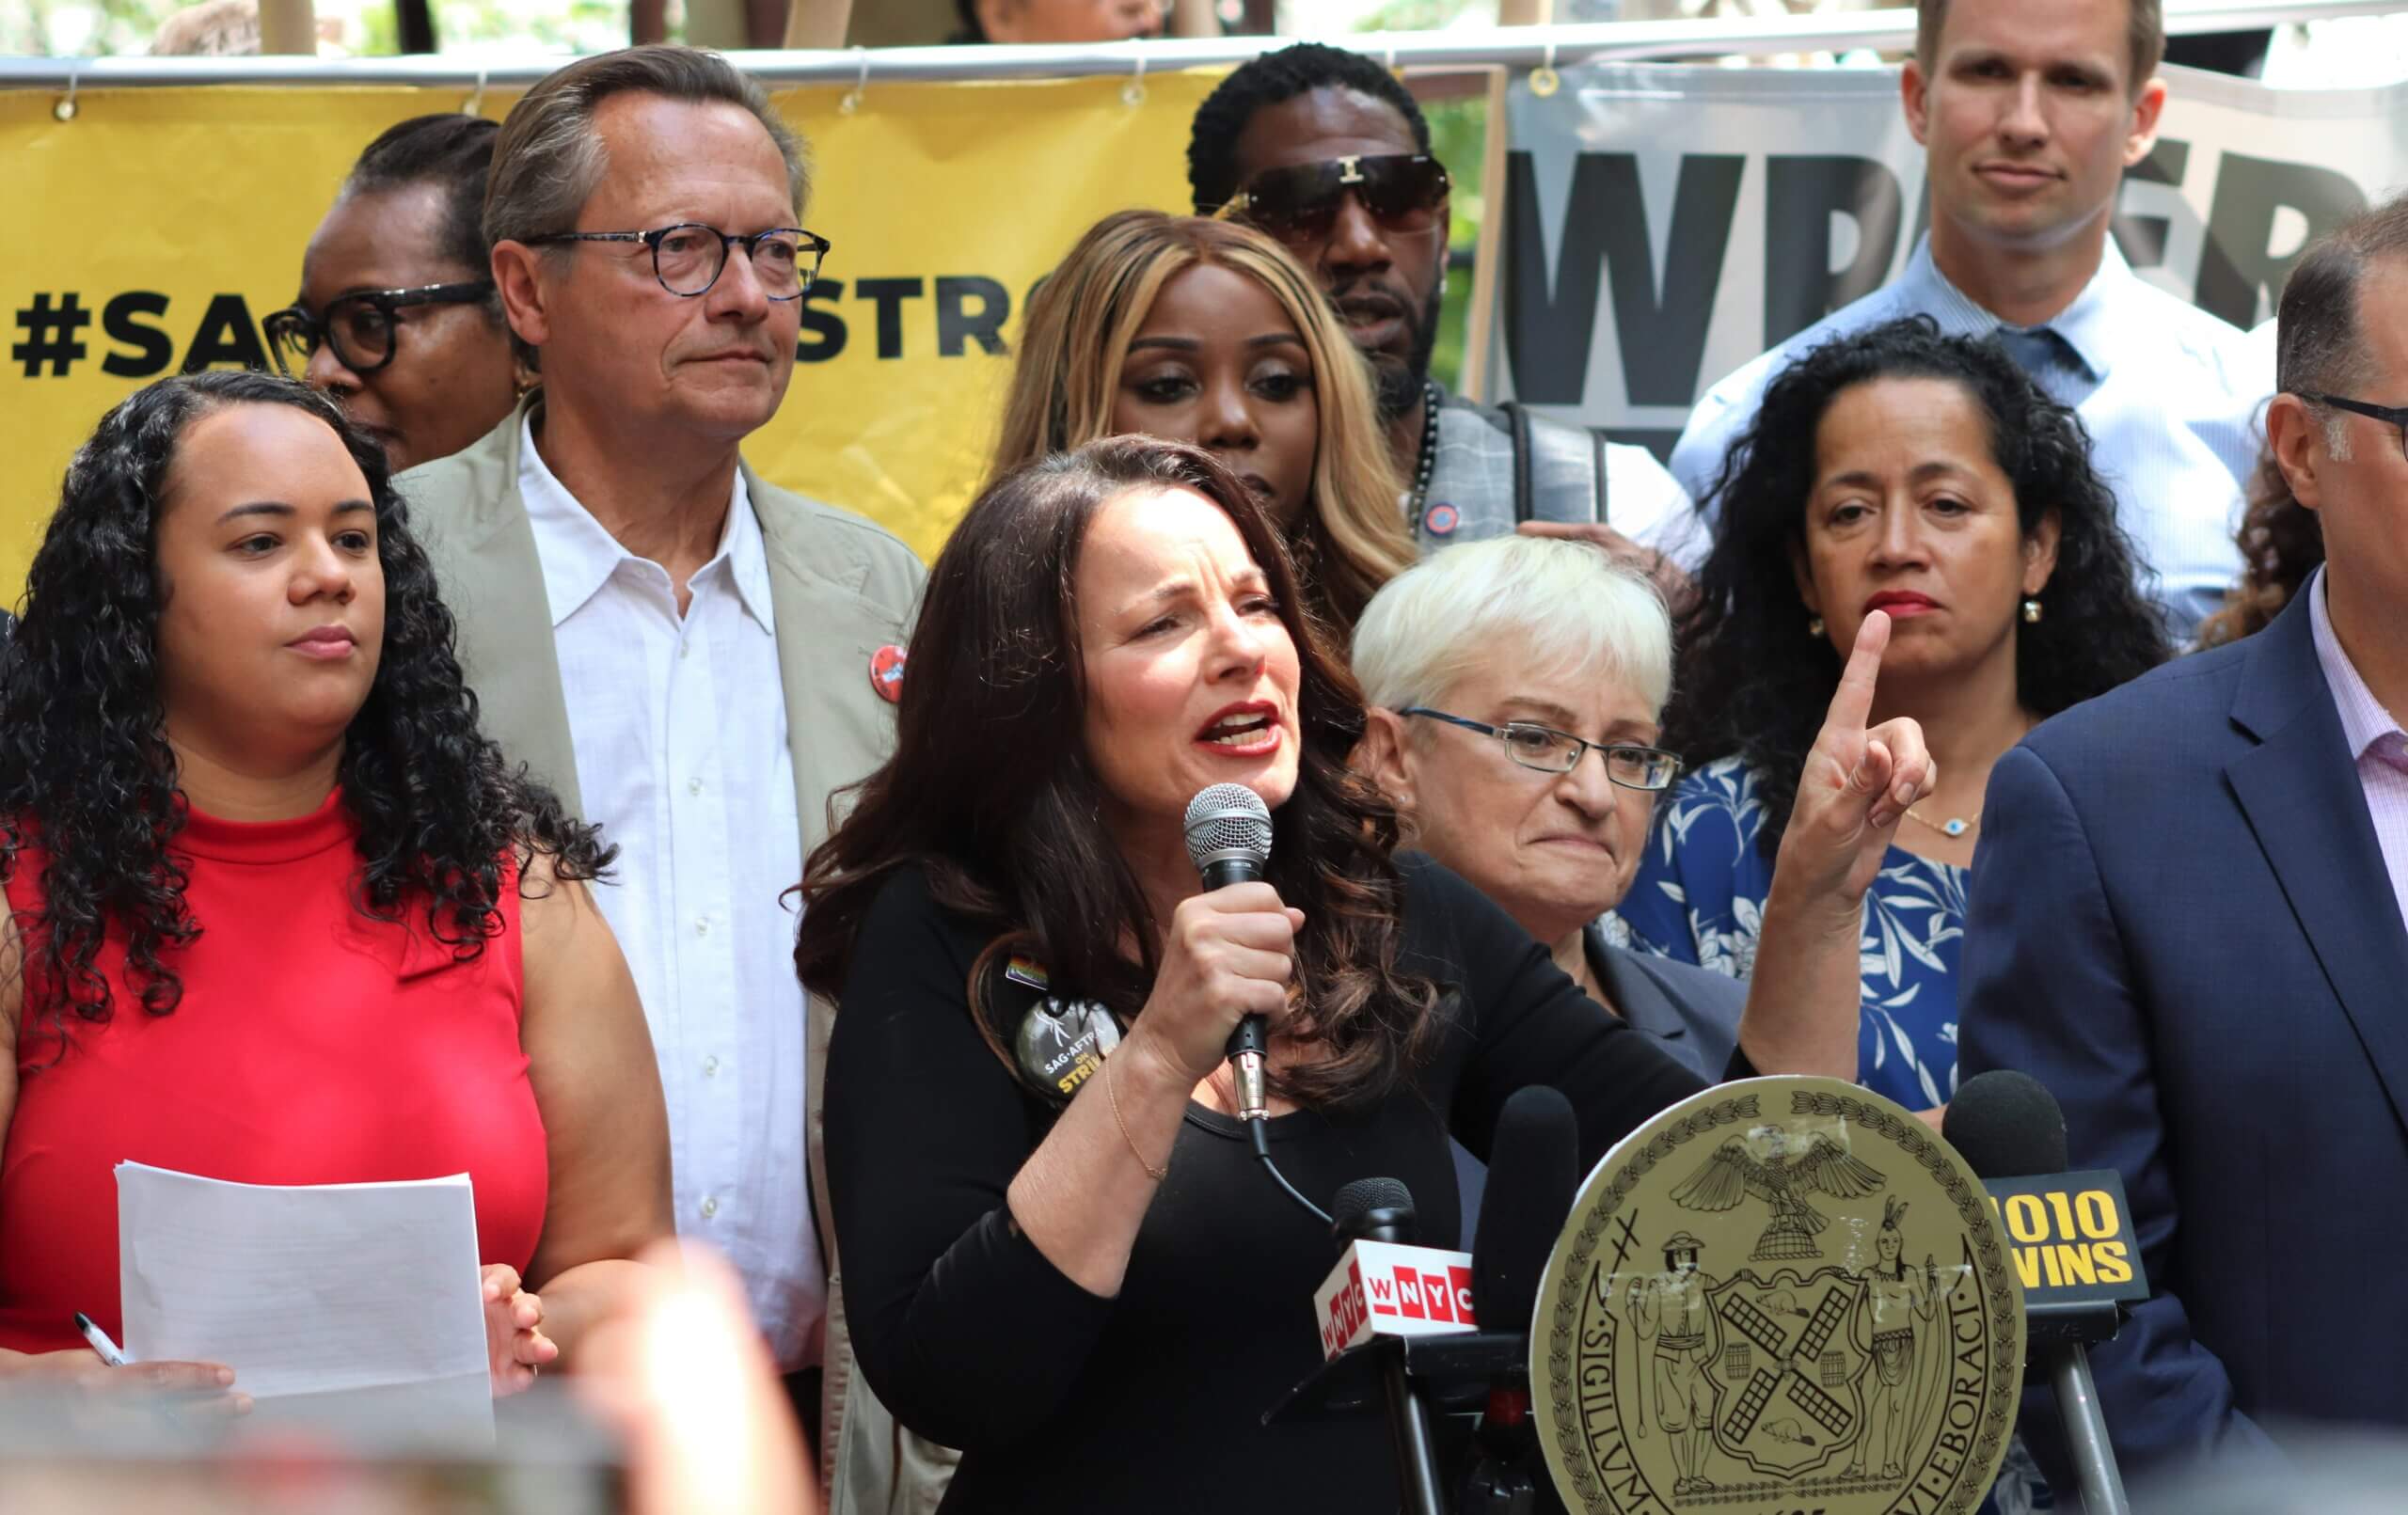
(2189, 919)
(2028, 113)
(397, 318)
(688, 654)
(1325, 151)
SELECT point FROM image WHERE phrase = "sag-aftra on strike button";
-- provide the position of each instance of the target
(2069, 1237)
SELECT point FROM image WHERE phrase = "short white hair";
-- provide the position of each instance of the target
(1559, 609)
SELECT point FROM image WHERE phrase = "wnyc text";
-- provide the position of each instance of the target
(1382, 1288)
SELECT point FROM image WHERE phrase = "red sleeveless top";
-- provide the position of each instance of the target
(312, 1045)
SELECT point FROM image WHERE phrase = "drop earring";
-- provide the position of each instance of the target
(1815, 626)
(2031, 612)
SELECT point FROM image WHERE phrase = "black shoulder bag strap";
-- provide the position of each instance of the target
(1559, 471)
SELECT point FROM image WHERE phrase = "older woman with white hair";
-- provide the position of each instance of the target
(1493, 672)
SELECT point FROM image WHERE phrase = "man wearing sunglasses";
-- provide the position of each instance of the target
(2029, 113)
(397, 319)
(1325, 150)
(691, 656)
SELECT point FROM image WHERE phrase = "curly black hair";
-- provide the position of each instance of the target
(1269, 80)
(1753, 680)
(87, 779)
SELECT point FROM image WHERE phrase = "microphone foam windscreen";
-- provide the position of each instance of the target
(1533, 1174)
(1225, 818)
(2006, 1124)
(1364, 1195)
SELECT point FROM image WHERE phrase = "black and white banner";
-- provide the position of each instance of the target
(1667, 223)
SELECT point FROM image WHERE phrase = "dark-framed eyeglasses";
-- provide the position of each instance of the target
(688, 258)
(1403, 192)
(1548, 750)
(360, 326)
(2393, 416)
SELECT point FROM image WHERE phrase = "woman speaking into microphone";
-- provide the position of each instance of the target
(1071, 1264)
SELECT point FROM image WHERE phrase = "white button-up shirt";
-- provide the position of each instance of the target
(679, 728)
(2168, 392)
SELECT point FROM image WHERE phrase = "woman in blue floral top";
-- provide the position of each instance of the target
(1927, 477)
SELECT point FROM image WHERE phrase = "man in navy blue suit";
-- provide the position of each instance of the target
(2187, 921)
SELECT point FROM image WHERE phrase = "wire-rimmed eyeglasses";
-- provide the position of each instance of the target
(1548, 750)
(688, 258)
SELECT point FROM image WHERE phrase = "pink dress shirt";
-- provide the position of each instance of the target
(2376, 742)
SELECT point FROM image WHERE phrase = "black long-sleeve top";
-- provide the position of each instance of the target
(1153, 1400)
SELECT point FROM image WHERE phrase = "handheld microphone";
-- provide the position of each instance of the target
(1381, 1209)
(2008, 1127)
(1229, 839)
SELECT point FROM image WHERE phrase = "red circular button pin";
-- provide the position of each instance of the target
(886, 672)
(1442, 519)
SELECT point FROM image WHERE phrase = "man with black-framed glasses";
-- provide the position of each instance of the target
(1325, 150)
(696, 659)
(2189, 919)
(397, 317)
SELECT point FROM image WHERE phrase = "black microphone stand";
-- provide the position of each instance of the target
(1409, 1427)
(1376, 1209)
(1417, 1442)
(2060, 1335)
(1449, 1374)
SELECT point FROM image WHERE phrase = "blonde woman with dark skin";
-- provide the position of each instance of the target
(1206, 332)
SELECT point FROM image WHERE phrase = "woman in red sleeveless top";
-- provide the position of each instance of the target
(277, 913)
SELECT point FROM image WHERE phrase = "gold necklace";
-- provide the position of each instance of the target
(1956, 825)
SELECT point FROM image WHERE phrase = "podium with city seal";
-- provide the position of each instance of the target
(1786, 1294)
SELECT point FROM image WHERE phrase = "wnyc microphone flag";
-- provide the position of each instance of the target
(1383, 1288)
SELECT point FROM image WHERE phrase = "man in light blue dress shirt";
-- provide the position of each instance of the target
(2029, 112)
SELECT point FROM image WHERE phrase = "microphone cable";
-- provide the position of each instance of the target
(1262, 1152)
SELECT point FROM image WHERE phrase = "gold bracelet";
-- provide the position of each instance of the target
(1157, 1175)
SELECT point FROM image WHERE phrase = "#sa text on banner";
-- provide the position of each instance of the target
(177, 220)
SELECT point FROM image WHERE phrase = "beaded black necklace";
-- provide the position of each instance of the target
(1428, 461)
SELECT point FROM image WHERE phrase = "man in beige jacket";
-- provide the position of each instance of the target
(697, 661)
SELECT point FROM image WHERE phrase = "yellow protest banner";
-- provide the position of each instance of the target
(148, 234)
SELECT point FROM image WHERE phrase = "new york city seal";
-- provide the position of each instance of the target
(1780, 1296)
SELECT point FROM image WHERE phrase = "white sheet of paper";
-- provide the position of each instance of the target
(351, 1301)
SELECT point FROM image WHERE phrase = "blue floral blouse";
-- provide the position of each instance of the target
(1698, 898)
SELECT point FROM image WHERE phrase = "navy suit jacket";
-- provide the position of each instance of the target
(2180, 922)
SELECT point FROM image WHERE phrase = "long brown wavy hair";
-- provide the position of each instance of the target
(991, 792)
(1354, 536)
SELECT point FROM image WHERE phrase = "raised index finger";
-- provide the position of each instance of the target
(1852, 704)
